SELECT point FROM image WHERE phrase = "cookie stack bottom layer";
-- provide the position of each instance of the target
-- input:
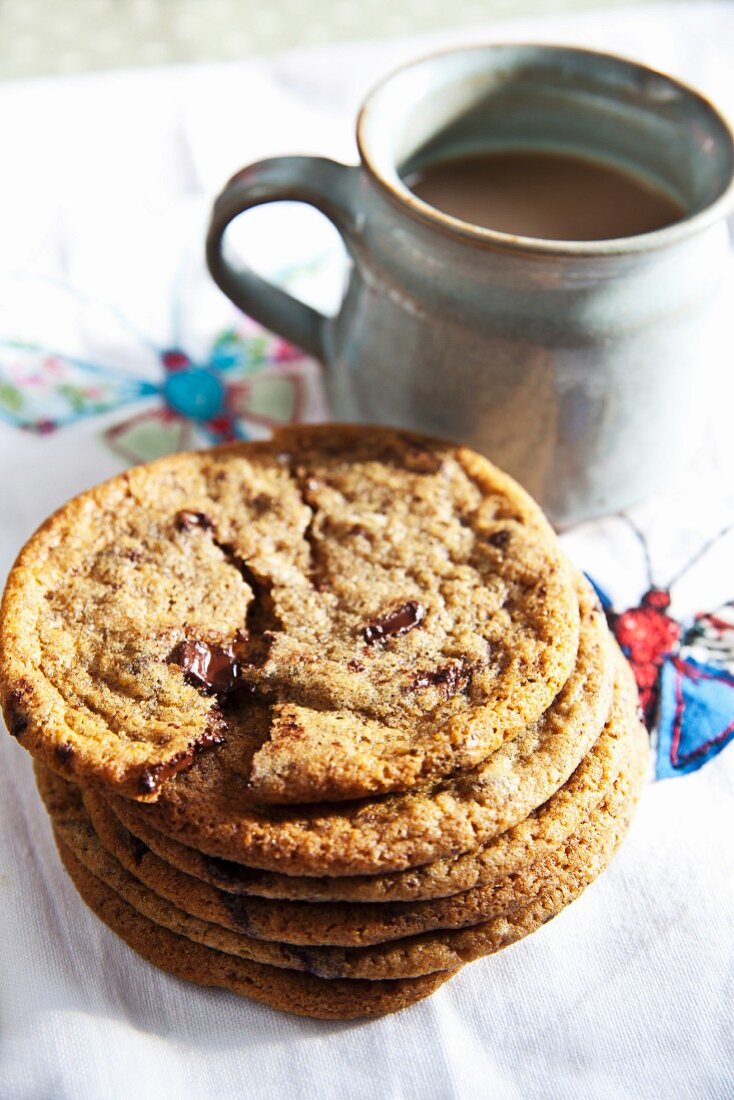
(300, 994)
(364, 966)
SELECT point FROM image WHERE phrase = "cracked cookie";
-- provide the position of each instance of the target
(358, 610)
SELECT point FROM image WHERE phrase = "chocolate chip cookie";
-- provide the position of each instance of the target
(321, 719)
(357, 610)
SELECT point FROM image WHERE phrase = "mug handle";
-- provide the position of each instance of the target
(325, 184)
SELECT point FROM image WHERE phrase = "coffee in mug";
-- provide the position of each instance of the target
(541, 193)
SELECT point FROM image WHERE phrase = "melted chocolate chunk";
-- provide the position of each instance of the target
(499, 539)
(147, 781)
(214, 669)
(396, 622)
(448, 679)
(185, 521)
(150, 779)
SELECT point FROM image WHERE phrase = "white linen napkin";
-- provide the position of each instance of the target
(103, 203)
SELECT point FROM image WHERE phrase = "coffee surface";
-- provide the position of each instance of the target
(556, 196)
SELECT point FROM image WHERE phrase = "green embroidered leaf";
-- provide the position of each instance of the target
(11, 397)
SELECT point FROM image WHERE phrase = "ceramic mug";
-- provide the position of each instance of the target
(574, 365)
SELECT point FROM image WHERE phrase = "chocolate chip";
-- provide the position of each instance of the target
(215, 732)
(64, 752)
(228, 873)
(138, 848)
(147, 781)
(212, 668)
(355, 666)
(262, 504)
(419, 460)
(499, 539)
(394, 623)
(448, 679)
(151, 778)
(237, 907)
(15, 716)
(185, 521)
(311, 962)
(135, 846)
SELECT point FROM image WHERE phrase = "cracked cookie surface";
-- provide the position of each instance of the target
(358, 610)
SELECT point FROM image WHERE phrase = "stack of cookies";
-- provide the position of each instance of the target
(322, 719)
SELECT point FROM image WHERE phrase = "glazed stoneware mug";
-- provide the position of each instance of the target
(575, 365)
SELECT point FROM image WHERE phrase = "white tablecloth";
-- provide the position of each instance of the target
(105, 187)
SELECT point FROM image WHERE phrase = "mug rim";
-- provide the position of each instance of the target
(400, 194)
